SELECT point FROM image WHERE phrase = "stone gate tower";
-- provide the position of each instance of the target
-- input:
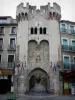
(38, 44)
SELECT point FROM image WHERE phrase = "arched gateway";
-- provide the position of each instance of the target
(38, 80)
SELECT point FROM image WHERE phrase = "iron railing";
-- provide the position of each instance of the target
(8, 65)
(67, 31)
(68, 48)
(10, 47)
(68, 66)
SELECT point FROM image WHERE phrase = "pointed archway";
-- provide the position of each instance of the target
(38, 80)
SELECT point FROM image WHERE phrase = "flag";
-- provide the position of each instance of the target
(18, 65)
(16, 71)
(22, 68)
(54, 68)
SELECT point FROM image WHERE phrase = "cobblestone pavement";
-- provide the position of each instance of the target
(3, 97)
(49, 97)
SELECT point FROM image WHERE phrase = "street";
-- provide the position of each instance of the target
(48, 97)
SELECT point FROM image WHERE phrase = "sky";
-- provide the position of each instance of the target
(8, 7)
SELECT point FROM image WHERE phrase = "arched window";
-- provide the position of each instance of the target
(44, 30)
(19, 17)
(22, 15)
(31, 30)
(26, 15)
(40, 30)
(35, 30)
(53, 14)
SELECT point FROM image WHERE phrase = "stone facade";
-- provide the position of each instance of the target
(39, 50)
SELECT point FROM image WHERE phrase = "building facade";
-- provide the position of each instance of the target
(8, 34)
(68, 54)
(37, 50)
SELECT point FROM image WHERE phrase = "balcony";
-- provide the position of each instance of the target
(7, 65)
(68, 48)
(69, 66)
(1, 47)
(11, 48)
(66, 31)
(1, 33)
(63, 30)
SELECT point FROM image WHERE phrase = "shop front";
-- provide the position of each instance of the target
(69, 82)
(5, 81)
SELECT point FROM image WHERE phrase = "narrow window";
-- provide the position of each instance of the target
(40, 30)
(19, 17)
(12, 43)
(73, 45)
(35, 30)
(0, 58)
(1, 29)
(66, 62)
(63, 29)
(72, 29)
(13, 30)
(1, 43)
(31, 30)
(10, 58)
(44, 30)
(26, 14)
(65, 44)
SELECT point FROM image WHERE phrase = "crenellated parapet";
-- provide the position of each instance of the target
(47, 11)
(51, 13)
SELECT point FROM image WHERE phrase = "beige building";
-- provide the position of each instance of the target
(8, 32)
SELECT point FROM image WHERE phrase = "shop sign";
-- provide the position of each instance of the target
(5, 72)
(66, 86)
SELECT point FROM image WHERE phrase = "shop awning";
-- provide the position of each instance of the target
(6, 72)
(69, 73)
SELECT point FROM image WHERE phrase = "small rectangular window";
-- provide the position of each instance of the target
(10, 58)
(1, 29)
(13, 30)
(12, 43)
(72, 29)
(66, 59)
(63, 25)
(63, 28)
(64, 42)
(66, 62)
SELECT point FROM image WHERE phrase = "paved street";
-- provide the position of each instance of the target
(47, 98)
(51, 97)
